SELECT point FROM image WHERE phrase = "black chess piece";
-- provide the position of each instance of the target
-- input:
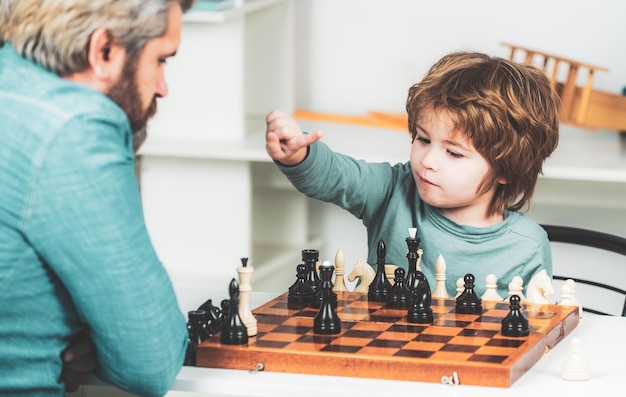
(515, 324)
(469, 302)
(399, 297)
(380, 285)
(326, 320)
(213, 316)
(310, 258)
(300, 292)
(233, 332)
(197, 332)
(413, 244)
(325, 285)
(421, 311)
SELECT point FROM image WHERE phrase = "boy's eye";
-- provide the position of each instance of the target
(455, 154)
(423, 140)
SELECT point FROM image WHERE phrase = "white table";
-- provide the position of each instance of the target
(602, 348)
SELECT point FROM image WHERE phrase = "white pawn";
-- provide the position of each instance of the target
(440, 290)
(520, 281)
(460, 286)
(575, 367)
(573, 298)
(340, 283)
(491, 292)
(515, 288)
(566, 296)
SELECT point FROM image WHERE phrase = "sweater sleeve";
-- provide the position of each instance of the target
(84, 217)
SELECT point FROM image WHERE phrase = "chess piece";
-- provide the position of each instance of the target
(197, 332)
(491, 289)
(540, 289)
(233, 332)
(398, 297)
(378, 288)
(515, 288)
(468, 302)
(515, 324)
(300, 292)
(519, 290)
(420, 311)
(320, 294)
(460, 287)
(390, 272)
(440, 290)
(412, 256)
(574, 301)
(310, 258)
(575, 367)
(364, 273)
(340, 283)
(326, 320)
(213, 316)
(245, 276)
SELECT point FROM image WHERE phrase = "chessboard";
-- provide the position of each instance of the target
(378, 342)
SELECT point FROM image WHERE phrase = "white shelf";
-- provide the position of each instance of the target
(249, 6)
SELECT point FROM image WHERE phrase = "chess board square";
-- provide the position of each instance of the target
(349, 341)
(409, 328)
(459, 348)
(481, 333)
(469, 340)
(486, 358)
(386, 343)
(502, 342)
(451, 356)
(357, 333)
(442, 330)
(340, 348)
(288, 329)
(270, 344)
(370, 326)
(433, 338)
(425, 346)
(414, 353)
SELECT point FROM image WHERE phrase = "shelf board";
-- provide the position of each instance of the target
(249, 6)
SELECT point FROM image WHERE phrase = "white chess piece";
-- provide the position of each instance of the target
(540, 289)
(491, 292)
(575, 367)
(340, 283)
(245, 286)
(515, 288)
(566, 296)
(390, 272)
(460, 286)
(440, 290)
(573, 298)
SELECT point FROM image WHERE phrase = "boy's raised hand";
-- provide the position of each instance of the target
(284, 140)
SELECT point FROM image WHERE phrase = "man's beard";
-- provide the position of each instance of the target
(126, 94)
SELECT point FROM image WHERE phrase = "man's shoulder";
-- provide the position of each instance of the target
(30, 88)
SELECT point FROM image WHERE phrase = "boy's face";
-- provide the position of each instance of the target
(448, 171)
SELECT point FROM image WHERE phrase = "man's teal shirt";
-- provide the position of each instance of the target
(74, 250)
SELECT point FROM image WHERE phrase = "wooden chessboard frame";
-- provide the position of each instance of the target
(472, 342)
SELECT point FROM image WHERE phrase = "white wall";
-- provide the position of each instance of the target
(360, 55)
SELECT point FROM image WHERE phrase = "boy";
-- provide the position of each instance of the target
(481, 129)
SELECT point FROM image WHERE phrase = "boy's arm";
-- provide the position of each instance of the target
(284, 140)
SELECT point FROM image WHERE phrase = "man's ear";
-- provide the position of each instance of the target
(106, 59)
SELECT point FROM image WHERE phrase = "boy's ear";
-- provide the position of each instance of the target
(502, 181)
(106, 59)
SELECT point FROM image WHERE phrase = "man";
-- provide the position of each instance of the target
(78, 81)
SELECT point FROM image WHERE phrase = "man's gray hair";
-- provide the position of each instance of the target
(56, 33)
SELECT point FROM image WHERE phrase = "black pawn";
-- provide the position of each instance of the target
(515, 324)
(469, 302)
(300, 291)
(420, 311)
(399, 296)
(197, 332)
(326, 320)
(310, 258)
(234, 332)
(380, 285)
